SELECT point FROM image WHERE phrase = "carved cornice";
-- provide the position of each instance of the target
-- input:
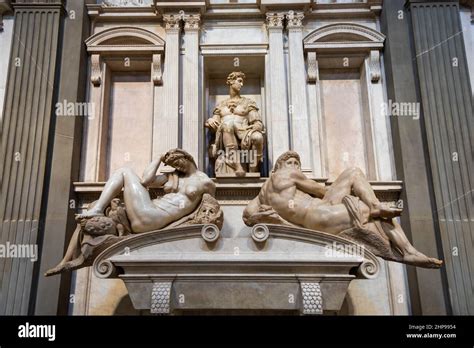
(145, 39)
(348, 36)
(37, 4)
(233, 194)
(127, 3)
(275, 20)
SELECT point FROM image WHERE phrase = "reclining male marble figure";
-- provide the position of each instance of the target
(348, 208)
(189, 199)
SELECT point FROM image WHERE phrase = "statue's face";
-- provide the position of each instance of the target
(115, 203)
(207, 213)
(181, 164)
(237, 84)
(292, 163)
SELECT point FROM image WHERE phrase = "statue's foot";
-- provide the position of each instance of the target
(384, 211)
(74, 264)
(421, 260)
(240, 173)
(90, 213)
(56, 270)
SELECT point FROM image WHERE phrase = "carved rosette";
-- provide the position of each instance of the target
(172, 21)
(275, 20)
(294, 20)
(312, 298)
(192, 21)
(160, 298)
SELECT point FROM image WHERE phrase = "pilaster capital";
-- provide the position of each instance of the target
(294, 20)
(275, 20)
(172, 21)
(192, 21)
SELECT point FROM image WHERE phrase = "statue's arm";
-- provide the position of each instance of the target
(214, 121)
(150, 176)
(255, 120)
(309, 186)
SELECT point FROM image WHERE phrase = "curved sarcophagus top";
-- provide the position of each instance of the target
(275, 268)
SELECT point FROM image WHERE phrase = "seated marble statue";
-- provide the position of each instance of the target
(348, 208)
(189, 199)
(239, 130)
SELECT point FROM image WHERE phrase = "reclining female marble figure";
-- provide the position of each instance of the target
(348, 207)
(188, 200)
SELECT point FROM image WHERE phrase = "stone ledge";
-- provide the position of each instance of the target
(235, 193)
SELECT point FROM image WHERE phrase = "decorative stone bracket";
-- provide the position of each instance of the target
(312, 298)
(160, 298)
(374, 66)
(313, 69)
(156, 75)
(96, 70)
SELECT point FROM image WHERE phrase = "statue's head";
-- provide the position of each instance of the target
(179, 159)
(236, 80)
(289, 159)
(115, 203)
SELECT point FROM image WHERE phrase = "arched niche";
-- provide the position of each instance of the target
(125, 84)
(124, 42)
(344, 72)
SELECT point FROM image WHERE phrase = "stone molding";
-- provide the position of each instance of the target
(144, 40)
(371, 39)
(233, 193)
(127, 3)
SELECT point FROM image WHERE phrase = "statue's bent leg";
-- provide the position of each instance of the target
(142, 213)
(140, 208)
(256, 140)
(353, 181)
(401, 243)
(231, 147)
